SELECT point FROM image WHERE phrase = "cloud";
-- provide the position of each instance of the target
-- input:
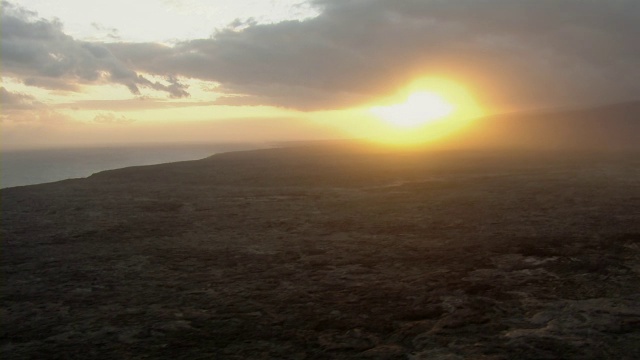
(22, 110)
(17, 101)
(109, 32)
(515, 52)
(112, 119)
(41, 54)
(510, 53)
(135, 104)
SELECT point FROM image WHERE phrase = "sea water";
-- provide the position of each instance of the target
(28, 167)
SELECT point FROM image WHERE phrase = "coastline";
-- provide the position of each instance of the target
(22, 167)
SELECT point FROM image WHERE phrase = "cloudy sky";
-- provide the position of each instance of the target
(98, 72)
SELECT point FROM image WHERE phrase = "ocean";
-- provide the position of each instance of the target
(28, 167)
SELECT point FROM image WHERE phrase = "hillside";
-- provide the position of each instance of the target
(329, 252)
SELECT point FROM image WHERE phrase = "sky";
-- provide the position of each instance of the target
(78, 73)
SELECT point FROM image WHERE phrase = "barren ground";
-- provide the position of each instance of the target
(328, 253)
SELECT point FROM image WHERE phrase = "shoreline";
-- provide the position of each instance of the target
(42, 166)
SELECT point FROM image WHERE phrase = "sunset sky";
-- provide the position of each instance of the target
(77, 73)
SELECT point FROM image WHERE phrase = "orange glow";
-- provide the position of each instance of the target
(426, 110)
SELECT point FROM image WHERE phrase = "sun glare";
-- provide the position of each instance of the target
(420, 108)
(426, 110)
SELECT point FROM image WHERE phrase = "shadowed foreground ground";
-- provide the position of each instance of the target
(329, 253)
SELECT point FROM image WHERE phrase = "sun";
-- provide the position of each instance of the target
(428, 109)
(420, 108)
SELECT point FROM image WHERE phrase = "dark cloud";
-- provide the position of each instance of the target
(41, 54)
(510, 53)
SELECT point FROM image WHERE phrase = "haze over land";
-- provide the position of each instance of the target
(111, 72)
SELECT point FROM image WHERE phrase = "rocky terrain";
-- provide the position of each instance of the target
(333, 252)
